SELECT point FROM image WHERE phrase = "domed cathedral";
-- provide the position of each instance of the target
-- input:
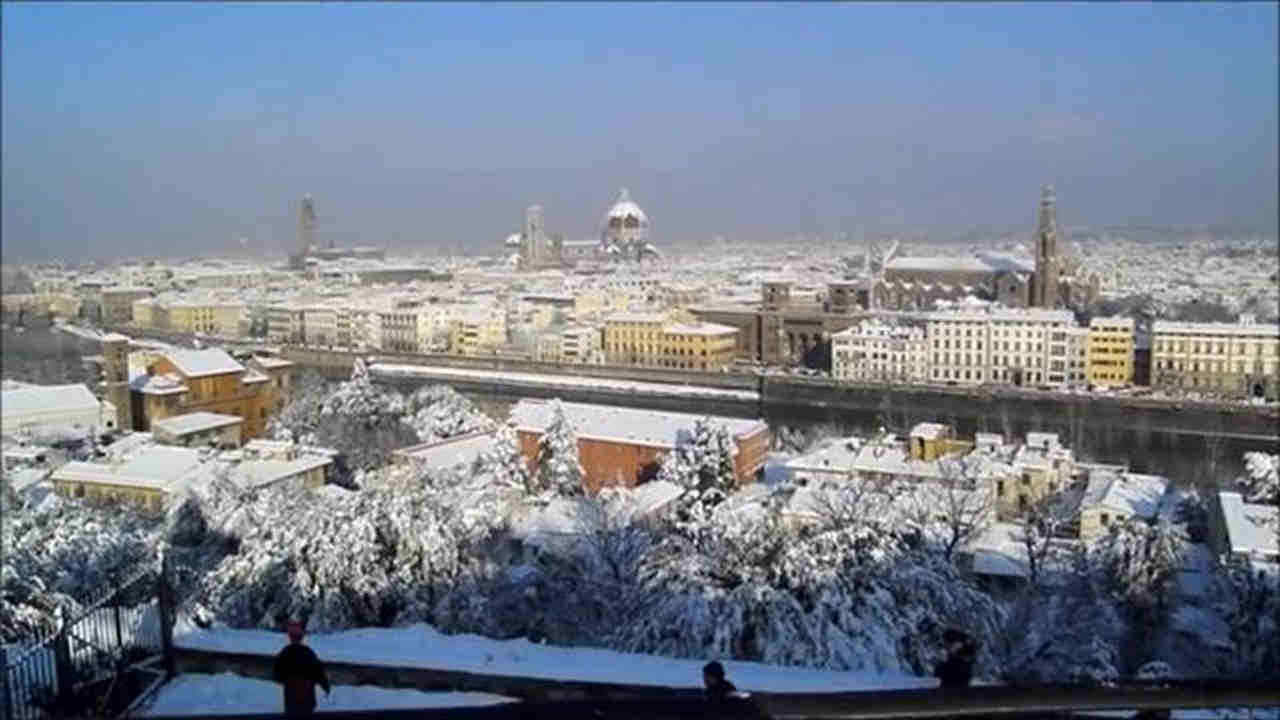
(625, 231)
(534, 248)
(1048, 280)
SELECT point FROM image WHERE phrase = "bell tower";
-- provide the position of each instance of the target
(1044, 288)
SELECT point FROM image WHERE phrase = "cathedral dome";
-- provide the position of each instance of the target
(626, 213)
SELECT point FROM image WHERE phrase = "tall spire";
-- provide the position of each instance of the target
(1048, 211)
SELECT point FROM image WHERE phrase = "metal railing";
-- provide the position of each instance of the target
(96, 659)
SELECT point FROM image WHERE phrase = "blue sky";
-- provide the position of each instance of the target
(155, 129)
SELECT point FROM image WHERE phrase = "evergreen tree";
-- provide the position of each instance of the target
(558, 468)
(506, 461)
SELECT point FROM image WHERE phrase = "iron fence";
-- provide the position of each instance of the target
(98, 658)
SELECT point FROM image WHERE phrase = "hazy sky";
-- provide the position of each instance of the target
(169, 128)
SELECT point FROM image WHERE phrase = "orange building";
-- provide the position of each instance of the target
(186, 381)
(623, 447)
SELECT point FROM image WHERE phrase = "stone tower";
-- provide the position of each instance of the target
(115, 378)
(1044, 288)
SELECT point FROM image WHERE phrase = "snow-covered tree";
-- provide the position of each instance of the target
(702, 463)
(66, 552)
(505, 460)
(1043, 521)
(559, 470)
(1261, 481)
(440, 412)
(956, 508)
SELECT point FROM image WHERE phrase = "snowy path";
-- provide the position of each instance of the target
(444, 374)
(421, 646)
(228, 694)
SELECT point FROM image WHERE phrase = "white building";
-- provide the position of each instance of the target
(1244, 532)
(48, 406)
(1020, 347)
(582, 345)
(878, 351)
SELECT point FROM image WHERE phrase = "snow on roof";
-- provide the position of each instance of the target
(199, 363)
(195, 422)
(891, 457)
(260, 473)
(631, 425)
(637, 317)
(158, 467)
(1130, 493)
(929, 431)
(272, 363)
(1260, 330)
(833, 456)
(166, 384)
(45, 399)
(450, 454)
(705, 328)
(115, 337)
(1250, 527)
(252, 377)
(625, 207)
(1043, 441)
(938, 264)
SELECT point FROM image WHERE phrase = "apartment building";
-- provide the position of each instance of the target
(1238, 359)
(286, 323)
(117, 303)
(1111, 349)
(1015, 346)
(582, 345)
(478, 331)
(1077, 356)
(668, 339)
(877, 351)
(220, 318)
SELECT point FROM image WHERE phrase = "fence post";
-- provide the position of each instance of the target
(64, 670)
(165, 612)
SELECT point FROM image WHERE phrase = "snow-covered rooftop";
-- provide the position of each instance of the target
(195, 422)
(46, 398)
(631, 425)
(1130, 493)
(1250, 527)
(158, 467)
(705, 328)
(450, 454)
(834, 456)
(929, 431)
(199, 363)
(260, 473)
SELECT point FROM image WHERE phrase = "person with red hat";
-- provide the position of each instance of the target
(298, 670)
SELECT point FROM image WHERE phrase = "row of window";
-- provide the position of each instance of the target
(1206, 347)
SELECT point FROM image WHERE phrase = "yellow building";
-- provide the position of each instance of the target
(698, 346)
(669, 340)
(478, 331)
(1111, 346)
(1233, 359)
(146, 480)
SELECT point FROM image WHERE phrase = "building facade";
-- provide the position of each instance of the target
(1239, 360)
(623, 447)
(877, 351)
(1007, 346)
(1111, 348)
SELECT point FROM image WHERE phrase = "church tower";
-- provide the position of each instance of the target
(1044, 289)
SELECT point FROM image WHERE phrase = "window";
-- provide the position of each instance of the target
(1105, 519)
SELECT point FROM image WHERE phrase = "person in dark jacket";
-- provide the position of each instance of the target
(718, 688)
(298, 670)
(956, 671)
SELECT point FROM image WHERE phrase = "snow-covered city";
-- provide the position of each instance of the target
(515, 442)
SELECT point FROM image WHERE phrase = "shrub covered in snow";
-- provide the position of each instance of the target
(66, 552)
(1261, 481)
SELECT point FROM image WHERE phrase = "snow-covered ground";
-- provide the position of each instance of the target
(423, 647)
(444, 374)
(228, 694)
